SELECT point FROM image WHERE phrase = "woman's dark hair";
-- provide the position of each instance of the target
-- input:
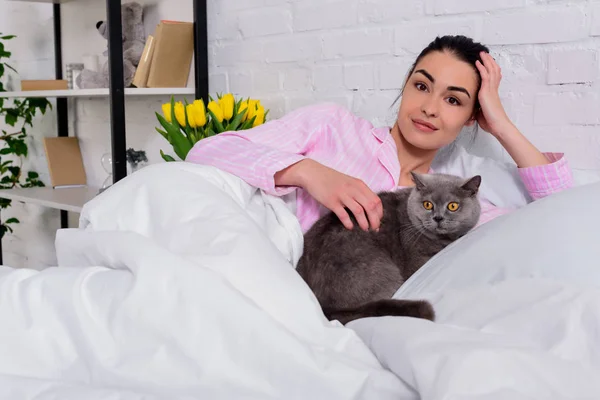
(461, 47)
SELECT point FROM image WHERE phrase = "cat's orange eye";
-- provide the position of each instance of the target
(428, 205)
(453, 206)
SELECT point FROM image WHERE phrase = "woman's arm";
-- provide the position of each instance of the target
(542, 173)
(493, 119)
(257, 154)
(273, 157)
(522, 151)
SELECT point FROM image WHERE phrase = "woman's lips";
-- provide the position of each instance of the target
(423, 127)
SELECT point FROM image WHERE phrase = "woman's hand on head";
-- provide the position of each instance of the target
(338, 192)
(492, 116)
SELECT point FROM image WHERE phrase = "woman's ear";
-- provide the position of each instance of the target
(474, 117)
(471, 120)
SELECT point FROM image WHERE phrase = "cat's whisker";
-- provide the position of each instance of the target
(412, 235)
(415, 238)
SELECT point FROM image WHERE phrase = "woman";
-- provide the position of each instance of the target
(337, 160)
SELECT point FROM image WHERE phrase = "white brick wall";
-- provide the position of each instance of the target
(291, 53)
(572, 66)
(32, 244)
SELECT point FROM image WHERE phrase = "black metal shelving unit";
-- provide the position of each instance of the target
(116, 85)
(117, 91)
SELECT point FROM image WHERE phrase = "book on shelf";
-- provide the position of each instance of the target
(43, 84)
(171, 59)
(65, 163)
(140, 79)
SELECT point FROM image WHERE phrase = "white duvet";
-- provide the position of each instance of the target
(179, 284)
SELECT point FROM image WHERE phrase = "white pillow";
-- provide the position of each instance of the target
(557, 237)
(501, 184)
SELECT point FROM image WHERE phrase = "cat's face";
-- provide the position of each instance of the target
(444, 204)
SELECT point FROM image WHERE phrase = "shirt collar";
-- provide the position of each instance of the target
(382, 133)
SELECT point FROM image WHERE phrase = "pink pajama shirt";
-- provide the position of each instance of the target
(333, 136)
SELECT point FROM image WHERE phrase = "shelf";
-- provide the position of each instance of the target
(99, 92)
(68, 199)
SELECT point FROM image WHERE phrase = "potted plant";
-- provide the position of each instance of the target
(18, 115)
(196, 121)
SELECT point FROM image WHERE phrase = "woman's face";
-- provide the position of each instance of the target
(438, 101)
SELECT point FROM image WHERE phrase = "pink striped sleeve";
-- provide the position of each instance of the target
(490, 212)
(255, 155)
(544, 180)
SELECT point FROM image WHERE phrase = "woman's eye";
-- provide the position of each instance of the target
(454, 101)
(420, 86)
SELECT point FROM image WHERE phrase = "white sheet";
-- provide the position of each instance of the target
(173, 289)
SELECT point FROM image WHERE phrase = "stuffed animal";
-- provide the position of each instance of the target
(134, 39)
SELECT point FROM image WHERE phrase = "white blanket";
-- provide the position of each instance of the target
(178, 285)
(519, 339)
(518, 309)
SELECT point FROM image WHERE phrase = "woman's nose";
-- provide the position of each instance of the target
(429, 109)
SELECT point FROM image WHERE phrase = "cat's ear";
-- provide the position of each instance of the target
(418, 180)
(471, 186)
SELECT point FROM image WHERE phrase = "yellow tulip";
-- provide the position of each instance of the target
(166, 108)
(180, 113)
(243, 106)
(198, 112)
(216, 110)
(189, 109)
(260, 117)
(227, 102)
(252, 107)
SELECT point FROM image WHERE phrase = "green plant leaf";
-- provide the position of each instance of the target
(12, 221)
(236, 121)
(15, 170)
(180, 143)
(218, 125)
(162, 133)
(3, 52)
(248, 124)
(11, 116)
(166, 157)
(20, 148)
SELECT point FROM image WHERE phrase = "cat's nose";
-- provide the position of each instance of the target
(438, 218)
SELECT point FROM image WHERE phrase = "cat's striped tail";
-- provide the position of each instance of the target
(382, 308)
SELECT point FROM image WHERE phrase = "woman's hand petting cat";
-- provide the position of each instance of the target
(336, 191)
(492, 118)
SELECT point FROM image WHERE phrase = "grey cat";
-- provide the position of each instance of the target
(354, 273)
